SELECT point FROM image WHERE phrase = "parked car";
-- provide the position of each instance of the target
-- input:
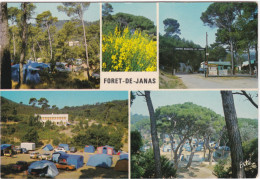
(20, 166)
(24, 151)
(73, 149)
(34, 155)
(45, 156)
(65, 166)
(18, 150)
(60, 149)
(8, 153)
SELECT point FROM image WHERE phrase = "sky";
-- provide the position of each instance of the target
(92, 14)
(209, 99)
(66, 98)
(188, 16)
(147, 10)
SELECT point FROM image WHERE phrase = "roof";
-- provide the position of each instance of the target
(219, 63)
(4, 146)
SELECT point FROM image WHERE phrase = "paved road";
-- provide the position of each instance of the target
(198, 81)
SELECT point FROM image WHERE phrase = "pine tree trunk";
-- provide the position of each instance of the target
(23, 46)
(191, 155)
(172, 149)
(85, 41)
(155, 141)
(233, 134)
(5, 59)
(256, 59)
(49, 35)
(14, 43)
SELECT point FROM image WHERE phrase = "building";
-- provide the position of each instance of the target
(74, 43)
(57, 119)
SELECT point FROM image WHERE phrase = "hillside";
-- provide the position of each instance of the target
(97, 124)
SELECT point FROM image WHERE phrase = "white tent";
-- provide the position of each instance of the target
(44, 168)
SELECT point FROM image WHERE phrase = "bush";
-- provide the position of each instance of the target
(143, 165)
(222, 169)
(126, 51)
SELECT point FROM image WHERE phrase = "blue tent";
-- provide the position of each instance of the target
(89, 149)
(76, 160)
(48, 147)
(100, 160)
(65, 146)
(30, 74)
(123, 156)
(44, 168)
(56, 155)
(4, 146)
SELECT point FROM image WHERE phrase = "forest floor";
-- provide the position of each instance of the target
(83, 172)
(197, 170)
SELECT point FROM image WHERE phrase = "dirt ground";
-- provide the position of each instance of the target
(197, 169)
(83, 172)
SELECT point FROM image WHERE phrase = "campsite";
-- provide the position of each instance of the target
(83, 139)
(191, 135)
(51, 48)
(81, 172)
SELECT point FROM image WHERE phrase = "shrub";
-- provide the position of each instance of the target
(143, 165)
(123, 51)
(222, 169)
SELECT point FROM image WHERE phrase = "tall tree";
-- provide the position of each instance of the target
(233, 134)
(171, 27)
(44, 103)
(155, 141)
(107, 9)
(33, 101)
(27, 11)
(77, 10)
(46, 19)
(14, 15)
(223, 16)
(5, 60)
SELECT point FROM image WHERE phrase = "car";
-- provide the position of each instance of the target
(34, 155)
(45, 156)
(20, 166)
(65, 166)
(60, 149)
(24, 151)
(73, 149)
(8, 153)
(18, 150)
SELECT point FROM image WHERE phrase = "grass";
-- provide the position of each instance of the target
(169, 81)
(61, 80)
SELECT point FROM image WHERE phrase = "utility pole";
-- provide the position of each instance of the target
(207, 56)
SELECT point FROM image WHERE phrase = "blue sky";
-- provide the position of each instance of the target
(209, 99)
(188, 16)
(92, 14)
(66, 98)
(147, 10)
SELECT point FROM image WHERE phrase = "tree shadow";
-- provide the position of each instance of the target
(98, 172)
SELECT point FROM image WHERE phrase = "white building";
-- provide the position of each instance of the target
(58, 119)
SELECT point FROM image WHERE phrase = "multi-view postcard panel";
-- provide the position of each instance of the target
(198, 134)
(205, 45)
(79, 134)
(53, 45)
